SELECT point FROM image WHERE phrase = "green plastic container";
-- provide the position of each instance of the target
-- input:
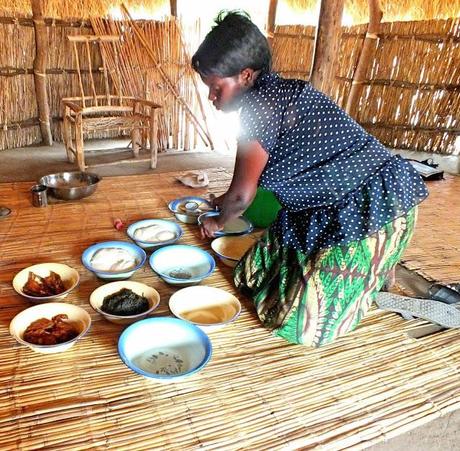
(264, 208)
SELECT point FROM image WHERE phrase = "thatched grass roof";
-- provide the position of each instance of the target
(356, 11)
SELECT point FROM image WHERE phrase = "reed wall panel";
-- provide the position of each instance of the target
(411, 98)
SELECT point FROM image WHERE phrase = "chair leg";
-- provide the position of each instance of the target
(135, 138)
(79, 143)
(67, 135)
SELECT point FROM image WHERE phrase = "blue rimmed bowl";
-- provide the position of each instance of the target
(136, 252)
(235, 227)
(182, 265)
(164, 349)
(189, 216)
(163, 225)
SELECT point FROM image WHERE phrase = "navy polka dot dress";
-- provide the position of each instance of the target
(335, 181)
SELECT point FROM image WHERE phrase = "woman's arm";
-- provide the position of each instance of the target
(251, 159)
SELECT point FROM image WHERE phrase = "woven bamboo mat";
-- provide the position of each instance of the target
(257, 392)
(435, 249)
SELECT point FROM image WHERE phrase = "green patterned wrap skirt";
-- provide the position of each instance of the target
(313, 299)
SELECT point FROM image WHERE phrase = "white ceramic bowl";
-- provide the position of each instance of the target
(189, 217)
(69, 277)
(164, 349)
(137, 252)
(165, 225)
(182, 265)
(97, 298)
(231, 249)
(23, 319)
(207, 307)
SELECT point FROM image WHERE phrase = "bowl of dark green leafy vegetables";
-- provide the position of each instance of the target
(124, 302)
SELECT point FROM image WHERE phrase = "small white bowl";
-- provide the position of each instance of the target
(166, 225)
(69, 277)
(164, 349)
(207, 307)
(97, 298)
(231, 249)
(23, 319)
(188, 217)
(137, 252)
(182, 265)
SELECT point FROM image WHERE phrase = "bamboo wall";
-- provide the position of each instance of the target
(411, 99)
(139, 77)
(18, 107)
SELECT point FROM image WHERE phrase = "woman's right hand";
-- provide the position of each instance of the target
(217, 201)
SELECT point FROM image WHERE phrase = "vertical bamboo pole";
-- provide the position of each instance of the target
(327, 43)
(367, 53)
(173, 7)
(41, 44)
(271, 21)
(153, 137)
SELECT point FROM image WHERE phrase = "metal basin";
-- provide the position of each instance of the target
(71, 185)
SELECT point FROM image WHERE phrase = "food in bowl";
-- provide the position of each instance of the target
(236, 226)
(231, 249)
(43, 286)
(187, 209)
(125, 303)
(75, 315)
(98, 296)
(154, 233)
(52, 331)
(207, 307)
(113, 259)
(164, 349)
(182, 264)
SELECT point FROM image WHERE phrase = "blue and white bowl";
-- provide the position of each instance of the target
(165, 225)
(237, 226)
(137, 253)
(182, 265)
(190, 216)
(164, 349)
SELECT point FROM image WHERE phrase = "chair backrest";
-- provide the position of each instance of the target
(86, 41)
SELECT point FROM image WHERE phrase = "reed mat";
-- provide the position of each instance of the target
(257, 391)
(435, 249)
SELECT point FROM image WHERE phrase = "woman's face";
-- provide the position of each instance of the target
(224, 92)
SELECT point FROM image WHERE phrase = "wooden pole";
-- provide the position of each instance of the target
(367, 53)
(41, 44)
(327, 43)
(173, 7)
(271, 20)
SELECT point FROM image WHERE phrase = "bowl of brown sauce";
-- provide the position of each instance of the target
(50, 328)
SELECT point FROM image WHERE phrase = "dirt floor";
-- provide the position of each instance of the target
(31, 163)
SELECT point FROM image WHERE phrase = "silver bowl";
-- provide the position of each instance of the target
(71, 185)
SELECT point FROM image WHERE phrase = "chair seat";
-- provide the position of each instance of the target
(91, 124)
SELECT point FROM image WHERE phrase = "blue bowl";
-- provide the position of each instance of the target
(182, 265)
(235, 227)
(165, 224)
(189, 217)
(137, 252)
(164, 349)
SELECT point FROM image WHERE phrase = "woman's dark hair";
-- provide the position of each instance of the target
(233, 44)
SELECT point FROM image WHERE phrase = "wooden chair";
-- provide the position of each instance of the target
(93, 112)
